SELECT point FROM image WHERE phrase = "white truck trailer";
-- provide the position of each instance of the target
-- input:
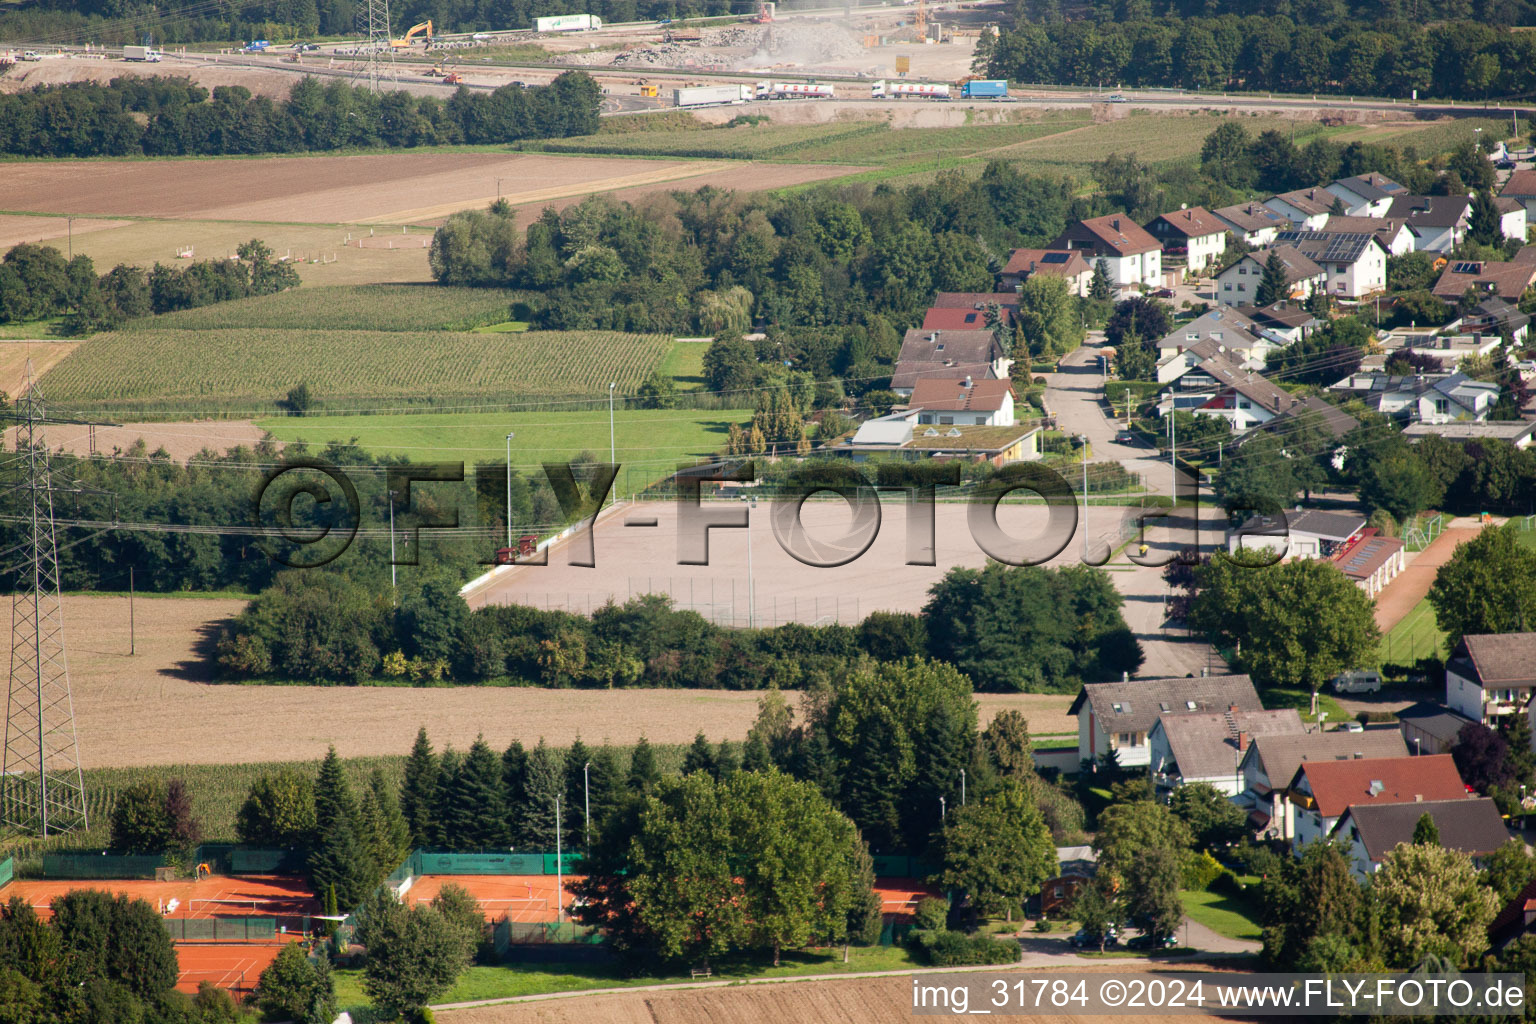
(711, 95)
(146, 54)
(568, 23)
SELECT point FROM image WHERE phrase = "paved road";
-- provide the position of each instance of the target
(1073, 393)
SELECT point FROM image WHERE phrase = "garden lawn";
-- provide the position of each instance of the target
(1224, 915)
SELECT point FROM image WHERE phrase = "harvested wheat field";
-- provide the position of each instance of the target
(181, 441)
(156, 706)
(373, 188)
(14, 356)
(17, 229)
(851, 1001)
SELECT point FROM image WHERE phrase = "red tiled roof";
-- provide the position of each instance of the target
(1117, 233)
(956, 319)
(1195, 222)
(1337, 785)
(1051, 262)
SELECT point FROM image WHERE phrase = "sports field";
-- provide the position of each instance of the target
(525, 899)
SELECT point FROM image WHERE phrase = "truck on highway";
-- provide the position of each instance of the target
(883, 90)
(792, 91)
(711, 95)
(568, 23)
(984, 89)
(148, 54)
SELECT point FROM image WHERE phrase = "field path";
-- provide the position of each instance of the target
(995, 150)
(1412, 585)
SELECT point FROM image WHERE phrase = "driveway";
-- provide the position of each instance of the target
(1073, 394)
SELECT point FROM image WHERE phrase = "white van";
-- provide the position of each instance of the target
(1361, 681)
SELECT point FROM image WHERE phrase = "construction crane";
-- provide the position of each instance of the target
(920, 20)
(415, 30)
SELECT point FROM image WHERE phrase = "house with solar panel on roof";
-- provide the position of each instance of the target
(1130, 256)
(1354, 263)
(1366, 195)
(1066, 264)
(1365, 557)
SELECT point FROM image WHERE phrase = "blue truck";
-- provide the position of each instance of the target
(984, 89)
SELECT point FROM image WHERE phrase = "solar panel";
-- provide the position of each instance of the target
(1467, 268)
(1056, 257)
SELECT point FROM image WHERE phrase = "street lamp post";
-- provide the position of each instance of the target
(392, 545)
(559, 867)
(586, 793)
(1085, 501)
(611, 451)
(962, 787)
(510, 435)
(941, 809)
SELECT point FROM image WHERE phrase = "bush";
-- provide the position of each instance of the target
(1044, 926)
(1375, 717)
(1201, 871)
(1227, 884)
(932, 913)
(956, 949)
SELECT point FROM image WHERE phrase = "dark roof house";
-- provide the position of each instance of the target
(948, 354)
(1472, 826)
(1134, 705)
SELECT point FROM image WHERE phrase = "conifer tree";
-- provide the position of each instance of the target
(418, 794)
(545, 783)
(643, 773)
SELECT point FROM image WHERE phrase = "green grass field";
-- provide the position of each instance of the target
(1417, 636)
(650, 443)
(383, 307)
(175, 373)
(684, 363)
(1225, 915)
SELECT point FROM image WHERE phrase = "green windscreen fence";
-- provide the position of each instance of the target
(7, 870)
(261, 861)
(222, 929)
(895, 865)
(428, 863)
(539, 933)
(101, 865)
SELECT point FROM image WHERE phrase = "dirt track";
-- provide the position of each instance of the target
(156, 708)
(1412, 585)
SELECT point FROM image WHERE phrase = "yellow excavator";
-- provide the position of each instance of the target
(415, 30)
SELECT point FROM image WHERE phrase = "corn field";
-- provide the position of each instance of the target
(755, 142)
(379, 307)
(167, 370)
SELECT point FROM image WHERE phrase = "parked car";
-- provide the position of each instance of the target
(1361, 681)
(1151, 941)
(1116, 97)
(1163, 293)
(1125, 437)
(1084, 939)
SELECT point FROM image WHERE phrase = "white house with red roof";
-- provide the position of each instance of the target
(1129, 254)
(963, 400)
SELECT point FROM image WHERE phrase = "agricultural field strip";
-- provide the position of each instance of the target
(343, 308)
(263, 365)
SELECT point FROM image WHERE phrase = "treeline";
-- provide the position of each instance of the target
(1462, 60)
(718, 261)
(173, 117)
(37, 282)
(98, 957)
(1009, 629)
(184, 21)
(1315, 12)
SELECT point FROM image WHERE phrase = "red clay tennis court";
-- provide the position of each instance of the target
(214, 896)
(899, 896)
(236, 968)
(522, 898)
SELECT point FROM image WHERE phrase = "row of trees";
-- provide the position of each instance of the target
(173, 117)
(1460, 60)
(1009, 629)
(37, 282)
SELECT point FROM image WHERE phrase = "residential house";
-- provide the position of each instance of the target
(1430, 397)
(1007, 301)
(1451, 349)
(1228, 329)
(1192, 236)
(1284, 319)
(1371, 561)
(1304, 534)
(1238, 285)
(1514, 221)
(1120, 716)
(1075, 868)
(1367, 195)
(1489, 676)
(1438, 223)
(1429, 727)
(1336, 421)
(1355, 262)
(1517, 432)
(1130, 256)
(1497, 316)
(1068, 264)
(1322, 791)
(1306, 208)
(1210, 746)
(1518, 916)
(1271, 762)
(1368, 832)
(1393, 234)
(1521, 187)
(957, 400)
(1255, 223)
(900, 434)
(1509, 279)
(947, 354)
(1218, 386)
(956, 319)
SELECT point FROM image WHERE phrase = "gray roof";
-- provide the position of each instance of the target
(1223, 320)
(1134, 705)
(1512, 431)
(1502, 659)
(1335, 419)
(1298, 266)
(1207, 745)
(1435, 719)
(1251, 217)
(1372, 186)
(1327, 525)
(1284, 313)
(1430, 211)
(1329, 246)
(1472, 826)
(1309, 200)
(1280, 755)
